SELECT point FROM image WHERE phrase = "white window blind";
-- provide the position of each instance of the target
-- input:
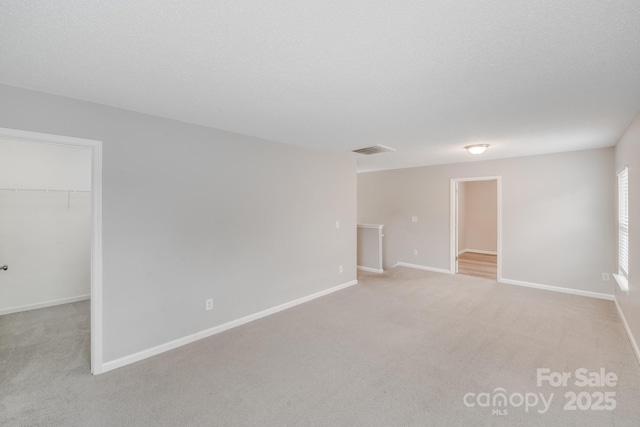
(623, 222)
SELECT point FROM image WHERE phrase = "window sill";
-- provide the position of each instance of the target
(623, 282)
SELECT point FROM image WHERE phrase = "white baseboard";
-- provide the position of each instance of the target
(478, 251)
(144, 354)
(371, 270)
(45, 304)
(632, 340)
(590, 294)
(422, 267)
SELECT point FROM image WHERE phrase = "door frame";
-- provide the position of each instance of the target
(453, 262)
(96, 225)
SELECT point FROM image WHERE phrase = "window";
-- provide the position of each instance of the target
(623, 229)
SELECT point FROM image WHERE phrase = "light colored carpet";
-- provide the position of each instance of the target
(399, 349)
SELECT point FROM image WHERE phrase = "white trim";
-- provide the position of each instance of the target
(589, 294)
(632, 340)
(622, 282)
(371, 270)
(478, 178)
(96, 261)
(478, 251)
(370, 226)
(499, 254)
(28, 136)
(422, 267)
(456, 266)
(45, 304)
(453, 221)
(453, 224)
(144, 354)
(96, 225)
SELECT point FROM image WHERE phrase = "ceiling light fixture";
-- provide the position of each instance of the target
(477, 148)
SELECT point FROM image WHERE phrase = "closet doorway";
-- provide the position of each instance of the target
(476, 227)
(50, 243)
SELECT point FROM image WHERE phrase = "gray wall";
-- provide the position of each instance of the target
(558, 215)
(191, 213)
(628, 153)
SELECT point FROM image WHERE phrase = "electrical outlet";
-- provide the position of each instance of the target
(340, 269)
(337, 224)
(414, 219)
(606, 277)
(415, 252)
(209, 304)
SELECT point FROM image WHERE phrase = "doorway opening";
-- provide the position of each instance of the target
(71, 221)
(476, 227)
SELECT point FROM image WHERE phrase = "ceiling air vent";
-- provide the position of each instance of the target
(374, 150)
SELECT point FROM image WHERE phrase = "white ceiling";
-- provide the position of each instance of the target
(425, 77)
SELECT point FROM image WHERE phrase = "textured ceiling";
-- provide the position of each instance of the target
(424, 77)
